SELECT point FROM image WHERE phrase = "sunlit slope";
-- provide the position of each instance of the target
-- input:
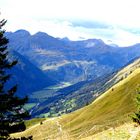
(126, 71)
(109, 110)
(127, 131)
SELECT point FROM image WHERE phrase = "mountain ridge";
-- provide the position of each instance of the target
(46, 52)
(26, 72)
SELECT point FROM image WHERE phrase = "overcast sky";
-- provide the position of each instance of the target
(116, 21)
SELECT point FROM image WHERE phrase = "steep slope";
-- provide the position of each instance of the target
(124, 72)
(109, 110)
(27, 75)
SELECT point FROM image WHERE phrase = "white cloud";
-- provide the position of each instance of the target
(124, 12)
(42, 15)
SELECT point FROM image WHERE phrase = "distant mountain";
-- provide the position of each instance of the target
(86, 64)
(71, 61)
(28, 77)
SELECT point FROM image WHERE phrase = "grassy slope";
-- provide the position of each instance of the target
(109, 110)
(33, 122)
(127, 131)
(123, 73)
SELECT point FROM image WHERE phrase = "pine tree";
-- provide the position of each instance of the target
(136, 116)
(12, 113)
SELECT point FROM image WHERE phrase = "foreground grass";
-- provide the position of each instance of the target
(111, 110)
(127, 131)
(32, 122)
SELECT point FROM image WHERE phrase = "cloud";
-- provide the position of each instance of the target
(89, 24)
(77, 31)
(120, 12)
(116, 20)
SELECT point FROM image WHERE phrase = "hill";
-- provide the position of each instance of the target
(108, 111)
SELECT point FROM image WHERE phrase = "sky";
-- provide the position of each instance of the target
(114, 21)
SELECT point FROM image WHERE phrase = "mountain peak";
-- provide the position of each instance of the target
(40, 34)
(94, 42)
(65, 39)
(22, 32)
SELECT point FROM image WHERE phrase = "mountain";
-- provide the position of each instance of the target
(28, 77)
(110, 110)
(64, 60)
(85, 64)
(71, 61)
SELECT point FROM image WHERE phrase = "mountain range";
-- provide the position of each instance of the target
(45, 61)
(70, 61)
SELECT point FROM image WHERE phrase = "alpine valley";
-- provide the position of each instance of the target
(87, 87)
(107, 117)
